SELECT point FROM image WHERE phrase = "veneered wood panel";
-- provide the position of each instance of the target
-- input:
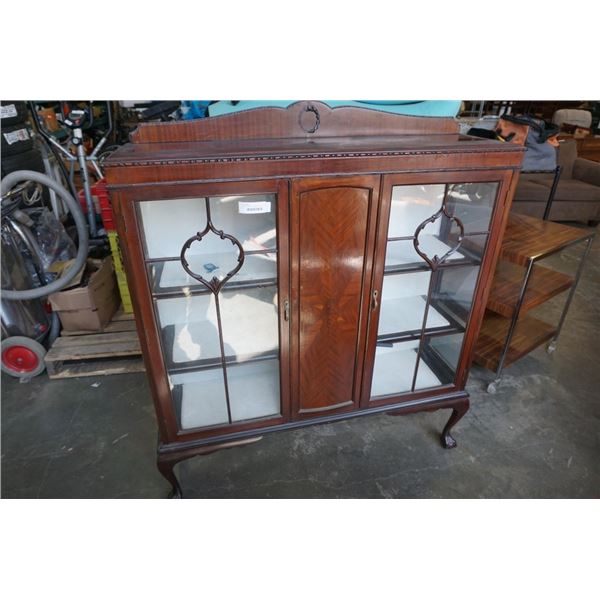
(529, 333)
(257, 167)
(333, 225)
(508, 280)
(349, 149)
(302, 119)
(527, 238)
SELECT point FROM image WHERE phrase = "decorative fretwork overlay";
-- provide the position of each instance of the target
(215, 284)
(437, 241)
(435, 261)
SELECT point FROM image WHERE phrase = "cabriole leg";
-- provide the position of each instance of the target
(166, 466)
(458, 413)
(166, 461)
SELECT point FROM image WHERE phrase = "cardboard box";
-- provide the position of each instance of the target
(90, 306)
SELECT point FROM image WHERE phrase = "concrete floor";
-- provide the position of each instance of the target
(538, 437)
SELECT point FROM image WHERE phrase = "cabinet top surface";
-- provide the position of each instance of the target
(305, 148)
(303, 130)
(527, 238)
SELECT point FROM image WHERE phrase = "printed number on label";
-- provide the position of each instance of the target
(252, 208)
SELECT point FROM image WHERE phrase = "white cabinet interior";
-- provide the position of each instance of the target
(436, 238)
(220, 341)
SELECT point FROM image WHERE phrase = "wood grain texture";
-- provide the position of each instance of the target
(528, 238)
(497, 224)
(333, 237)
(241, 151)
(129, 230)
(444, 159)
(293, 121)
(529, 333)
(85, 354)
(94, 368)
(543, 284)
(270, 151)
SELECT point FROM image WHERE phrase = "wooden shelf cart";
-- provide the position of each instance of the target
(520, 284)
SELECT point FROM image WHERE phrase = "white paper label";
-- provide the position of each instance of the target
(253, 208)
(20, 135)
(7, 111)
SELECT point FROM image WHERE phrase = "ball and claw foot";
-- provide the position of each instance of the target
(492, 387)
(457, 414)
(551, 348)
(448, 441)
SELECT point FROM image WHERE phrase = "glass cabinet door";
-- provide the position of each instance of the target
(436, 237)
(212, 269)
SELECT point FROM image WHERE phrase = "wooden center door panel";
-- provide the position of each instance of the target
(332, 246)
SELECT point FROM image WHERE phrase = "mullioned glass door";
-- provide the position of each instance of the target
(212, 266)
(435, 242)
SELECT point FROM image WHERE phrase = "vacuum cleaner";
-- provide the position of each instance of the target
(26, 325)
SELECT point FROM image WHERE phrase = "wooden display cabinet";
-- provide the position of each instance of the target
(296, 266)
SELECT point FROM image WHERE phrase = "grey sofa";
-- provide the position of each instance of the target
(577, 196)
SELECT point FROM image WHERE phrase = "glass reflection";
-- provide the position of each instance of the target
(250, 219)
(249, 321)
(425, 306)
(473, 204)
(220, 345)
(411, 205)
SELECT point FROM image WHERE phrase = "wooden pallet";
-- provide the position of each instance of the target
(83, 354)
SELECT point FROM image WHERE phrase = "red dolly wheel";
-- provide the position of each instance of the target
(22, 357)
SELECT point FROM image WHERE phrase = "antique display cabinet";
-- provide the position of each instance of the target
(296, 266)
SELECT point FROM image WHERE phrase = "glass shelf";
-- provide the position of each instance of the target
(168, 277)
(395, 365)
(440, 322)
(403, 305)
(200, 400)
(426, 301)
(219, 336)
(190, 334)
(183, 366)
(401, 255)
(402, 317)
(402, 258)
(394, 370)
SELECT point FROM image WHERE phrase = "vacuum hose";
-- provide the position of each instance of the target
(5, 186)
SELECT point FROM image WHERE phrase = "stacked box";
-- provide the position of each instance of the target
(88, 307)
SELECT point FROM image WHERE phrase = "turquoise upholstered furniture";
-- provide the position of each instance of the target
(419, 108)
